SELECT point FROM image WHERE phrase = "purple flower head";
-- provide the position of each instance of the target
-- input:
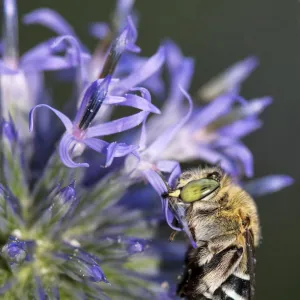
(21, 79)
(95, 66)
(81, 133)
(65, 241)
(14, 251)
(213, 131)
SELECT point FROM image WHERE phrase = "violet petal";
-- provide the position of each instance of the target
(99, 30)
(149, 68)
(65, 120)
(65, 146)
(140, 103)
(166, 137)
(116, 126)
(96, 144)
(50, 19)
(267, 185)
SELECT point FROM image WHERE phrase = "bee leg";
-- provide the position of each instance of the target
(172, 235)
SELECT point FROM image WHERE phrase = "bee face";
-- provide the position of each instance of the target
(200, 184)
(224, 223)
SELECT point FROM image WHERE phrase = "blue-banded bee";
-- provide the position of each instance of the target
(224, 223)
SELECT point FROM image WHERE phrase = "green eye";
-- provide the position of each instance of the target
(198, 189)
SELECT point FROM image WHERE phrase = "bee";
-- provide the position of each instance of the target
(224, 224)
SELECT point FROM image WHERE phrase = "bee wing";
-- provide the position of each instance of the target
(250, 261)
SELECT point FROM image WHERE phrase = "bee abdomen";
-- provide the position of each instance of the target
(234, 288)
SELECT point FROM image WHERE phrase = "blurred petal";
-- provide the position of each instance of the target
(214, 157)
(241, 128)
(143, 136)
(99, 30)
(76, 55)
(267, 185)
(242, 154)
(6, 70)
(50, 19)
(166, 137)
(150, 67)
(229, 80)
(116, 126)
(180, 70)
(212, 111)
(65, 147)
(250, 109)
(65, 120)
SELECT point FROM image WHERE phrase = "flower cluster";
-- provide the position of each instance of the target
(77, 220)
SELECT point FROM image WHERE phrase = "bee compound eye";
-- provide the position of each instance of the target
(198, 189)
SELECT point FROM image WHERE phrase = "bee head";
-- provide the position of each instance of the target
(199, 184)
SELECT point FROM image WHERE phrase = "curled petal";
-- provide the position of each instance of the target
(117, 126)
(166, 137)
(267, 185)
(65, 147)
(50, 19)
(140, 103)
(65, 120)
(75, 52)
(229, 80)
(118, 150)
(146, 70)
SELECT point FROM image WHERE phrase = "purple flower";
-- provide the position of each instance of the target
(79, 131)
(213, 132)
(145, 69)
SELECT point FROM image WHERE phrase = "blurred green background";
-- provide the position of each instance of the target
(217, 34)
